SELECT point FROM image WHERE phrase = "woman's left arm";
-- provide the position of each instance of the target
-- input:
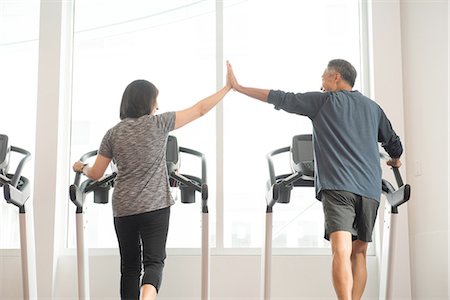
(96, 171)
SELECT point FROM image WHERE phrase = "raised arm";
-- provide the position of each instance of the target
(259, 94)
(194, 112)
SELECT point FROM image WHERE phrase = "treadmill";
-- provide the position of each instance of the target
(16, 191)
(77, 194)
(279, 189)
(188, 185)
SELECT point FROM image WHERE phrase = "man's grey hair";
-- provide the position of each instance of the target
(343, 67)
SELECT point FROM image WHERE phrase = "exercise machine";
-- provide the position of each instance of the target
(16, 191)
(77, 194)
(395, 197)
(188, 185)
(279, 189)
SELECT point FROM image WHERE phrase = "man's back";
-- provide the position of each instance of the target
(347, 128)
(346, 144)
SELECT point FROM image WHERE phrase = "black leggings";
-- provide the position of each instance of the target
(142, 241)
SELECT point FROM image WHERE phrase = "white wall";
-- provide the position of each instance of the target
(387, 91)
(425, 51)
(233, 277)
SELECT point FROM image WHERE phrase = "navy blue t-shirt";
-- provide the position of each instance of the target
(347, 127)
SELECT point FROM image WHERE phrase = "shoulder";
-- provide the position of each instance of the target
(356, 95)
(315, 95)
(164, 116)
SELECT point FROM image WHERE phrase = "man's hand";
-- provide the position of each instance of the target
(256, 93)
(394, 162)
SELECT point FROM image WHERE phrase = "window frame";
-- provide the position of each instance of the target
(219, 249)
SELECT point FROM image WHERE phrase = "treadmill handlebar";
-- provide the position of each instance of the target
(201, 156)
(100, 182)
(4, 180)
(16, 189)
(77, 197)
(187, 180)
(402, 194)
(276, 187)
(88, 155)
(77, 192)
(83, 158)
(26, 158)
(269, 157)
(398, 176)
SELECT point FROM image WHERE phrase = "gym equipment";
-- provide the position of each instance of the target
(16, 191)
(187, 184)
(279, 189)
(78, 195)
(395, 197)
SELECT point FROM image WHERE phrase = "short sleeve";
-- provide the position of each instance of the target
(166, 121)
(106, 145)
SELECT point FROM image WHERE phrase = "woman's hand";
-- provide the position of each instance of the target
(231, 78)
(78, 166)
(228, 82)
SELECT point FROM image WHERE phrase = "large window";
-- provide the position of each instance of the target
(171, 44)
(283, 44)
(19, 30)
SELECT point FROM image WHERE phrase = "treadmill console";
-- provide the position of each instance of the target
(302, 154)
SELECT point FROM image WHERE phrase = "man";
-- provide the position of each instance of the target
(347, 127)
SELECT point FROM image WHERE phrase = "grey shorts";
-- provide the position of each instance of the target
(345, 211)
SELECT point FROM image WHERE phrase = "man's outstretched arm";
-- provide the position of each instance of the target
(260, 94)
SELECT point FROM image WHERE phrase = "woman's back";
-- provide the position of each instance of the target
(138, 147)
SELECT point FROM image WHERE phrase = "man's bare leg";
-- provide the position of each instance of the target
(359, 269)
(341, 247)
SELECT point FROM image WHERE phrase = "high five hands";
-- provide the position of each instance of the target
(231, 79)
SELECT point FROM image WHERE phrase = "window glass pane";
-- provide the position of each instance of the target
(171, 44)
(19, 30)
(285, 45)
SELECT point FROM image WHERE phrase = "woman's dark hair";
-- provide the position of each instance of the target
(343, 67)
(139, 99)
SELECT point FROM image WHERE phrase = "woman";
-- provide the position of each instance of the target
(142, 199)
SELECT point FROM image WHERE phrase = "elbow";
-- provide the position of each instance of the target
(203, 109)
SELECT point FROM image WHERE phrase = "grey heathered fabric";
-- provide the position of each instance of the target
(347, 127)
(138, 147)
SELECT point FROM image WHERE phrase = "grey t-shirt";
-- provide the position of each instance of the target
(347, 127)
(138, 147)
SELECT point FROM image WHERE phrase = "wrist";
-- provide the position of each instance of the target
(83, 168)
